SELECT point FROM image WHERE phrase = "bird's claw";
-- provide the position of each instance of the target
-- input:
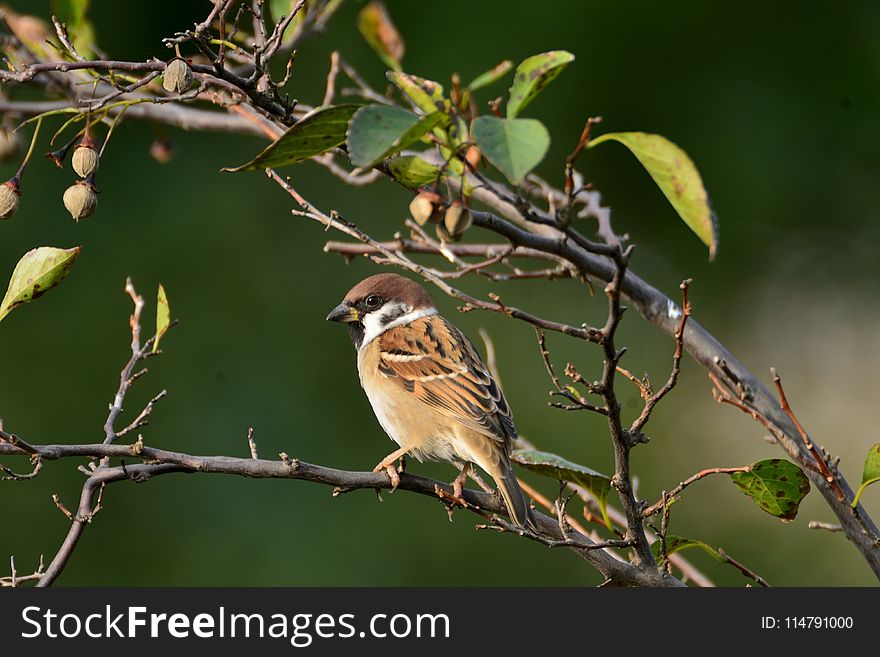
(391, 470)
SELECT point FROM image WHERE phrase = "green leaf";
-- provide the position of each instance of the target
(312, 135)
(163, 316)
(553, 465)
(532, 75)
(514, 146)
(413, 171)
(676, 176)
(871, 473)
(377, 131)
(73, 14)
(427, 95)
(37, 271)
(776, 485)
(491, 76)
(375, 25)
(677, 543)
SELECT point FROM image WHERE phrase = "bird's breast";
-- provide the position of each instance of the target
(407, 420)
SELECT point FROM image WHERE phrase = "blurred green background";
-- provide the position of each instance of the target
(777, 103)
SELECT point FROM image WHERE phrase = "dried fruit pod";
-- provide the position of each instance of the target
(444, 235)
(457, 219)
(10, 144)
(161, 150)
(81, 199)
(178, 76)
(9, 194)
(427, 206)
(473, 156)
(421, 208)
(85, 159)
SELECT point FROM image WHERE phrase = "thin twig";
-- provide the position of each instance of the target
(820, 460)
(675, 492)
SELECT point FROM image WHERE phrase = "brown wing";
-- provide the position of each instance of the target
(438, 364)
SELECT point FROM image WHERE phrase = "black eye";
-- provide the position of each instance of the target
(373, 301)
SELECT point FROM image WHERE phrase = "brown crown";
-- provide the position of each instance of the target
(390, 287)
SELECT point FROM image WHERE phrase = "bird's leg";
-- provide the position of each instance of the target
(479, 481)
(387, 464)
(459, 482)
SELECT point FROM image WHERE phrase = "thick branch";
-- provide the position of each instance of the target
(180, 116)
(664, 313)
(158, 461)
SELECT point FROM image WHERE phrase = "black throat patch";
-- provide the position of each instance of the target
(356, 332)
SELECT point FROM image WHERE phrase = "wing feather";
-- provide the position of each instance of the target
(437, 363)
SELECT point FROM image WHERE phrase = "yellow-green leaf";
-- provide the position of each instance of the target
(532, 75)
(489, 77)
(553, 465)
(676, 176)
(871, 472)
(427, 95)
(315, 133)
(73, 14)
(375, 25)
(279, 9)
(163, 316)
(36, 272)
(413, 171)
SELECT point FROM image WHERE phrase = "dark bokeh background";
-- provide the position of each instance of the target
(777, 104)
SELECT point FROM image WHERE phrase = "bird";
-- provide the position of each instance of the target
(428, 387)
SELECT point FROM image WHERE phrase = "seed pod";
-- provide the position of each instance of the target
(161, 150)
(10, 144)
(457, 219)
(178, 76)
(81, 199)
(473, 156)
(444, 235)
(9, 194)
(421, 208)
(85, 159)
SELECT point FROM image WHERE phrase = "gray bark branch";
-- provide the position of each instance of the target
(159, 461)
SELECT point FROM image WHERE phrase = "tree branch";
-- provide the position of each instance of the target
(158, 461)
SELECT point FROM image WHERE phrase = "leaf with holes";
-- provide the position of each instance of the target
(677, 543)
(163, 316)
(513, 146)
(532, 75)
(376, 27)
(377, 131)
(871, 472)
(413, 171)
(776, 485)
(427, 95)
(315, 133)
(36, 272)
(676, 176)
(553, 465)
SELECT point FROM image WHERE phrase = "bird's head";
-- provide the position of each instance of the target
(381, 302)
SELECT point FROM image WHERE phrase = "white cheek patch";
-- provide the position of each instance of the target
(393, 313)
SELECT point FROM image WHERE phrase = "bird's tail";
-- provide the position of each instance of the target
(517, 506)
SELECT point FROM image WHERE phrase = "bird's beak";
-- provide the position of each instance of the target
(344, 313)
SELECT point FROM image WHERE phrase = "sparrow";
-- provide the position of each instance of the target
(429, 388)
